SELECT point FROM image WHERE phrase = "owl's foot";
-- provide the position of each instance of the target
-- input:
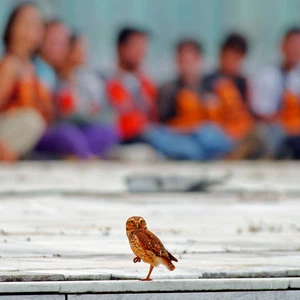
(148, 276)
(136, 259)
(146, 279)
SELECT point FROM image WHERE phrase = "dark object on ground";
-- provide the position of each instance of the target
(169, 184)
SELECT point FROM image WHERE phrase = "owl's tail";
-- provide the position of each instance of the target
(172, 257)
(171, 267)
(168, 262)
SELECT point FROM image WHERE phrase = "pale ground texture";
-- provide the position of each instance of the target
(66, 222)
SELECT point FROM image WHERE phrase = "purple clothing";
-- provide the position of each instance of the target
(84, 142)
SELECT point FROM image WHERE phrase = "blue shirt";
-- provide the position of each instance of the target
(45, 73)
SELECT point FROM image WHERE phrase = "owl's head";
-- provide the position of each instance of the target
(136, 223)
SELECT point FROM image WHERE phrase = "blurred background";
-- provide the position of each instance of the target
(173, 79)
(264, 22)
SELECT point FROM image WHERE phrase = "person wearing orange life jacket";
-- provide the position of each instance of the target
(25, 107)
(179, 101)
(130, 92)
(276, 97)
(80, 102)
(62, 139)
(227, 98)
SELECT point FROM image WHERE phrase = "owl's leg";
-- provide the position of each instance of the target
(137, 259)
(148, 276)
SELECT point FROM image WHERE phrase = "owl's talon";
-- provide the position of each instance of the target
(146, 279)
(136, 259)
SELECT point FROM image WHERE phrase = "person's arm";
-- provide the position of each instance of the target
(8, 74)
(166, 103)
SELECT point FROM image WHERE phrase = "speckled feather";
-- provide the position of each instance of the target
(150, 241)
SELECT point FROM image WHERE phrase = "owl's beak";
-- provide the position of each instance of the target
(137, 225)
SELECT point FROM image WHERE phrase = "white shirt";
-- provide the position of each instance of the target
(268, 86)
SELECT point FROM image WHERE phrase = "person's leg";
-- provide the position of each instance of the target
(20, 130)
(101, 138)
(213, 140)
(274, 137)
(65, 140)
(173, 145)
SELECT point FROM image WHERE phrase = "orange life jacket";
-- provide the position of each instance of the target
(131, 118)
(29, 92)
(190, 112)
(65, 101)
(229, 110)
(289, 114)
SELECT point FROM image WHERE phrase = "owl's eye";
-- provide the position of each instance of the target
(131, 222)
(142, 221)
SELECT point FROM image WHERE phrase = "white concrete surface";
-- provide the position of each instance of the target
(57, 237)
(282, 295)
(65, 222)
(158, 286)
(34, 297)
(108, 177)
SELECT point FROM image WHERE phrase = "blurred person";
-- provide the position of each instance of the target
(130, 91)
(227, 98)
(25, 107)
(52, 53)
(179, 101)
(275, 98)
(232, 55)
(80, 100)
(62, 139)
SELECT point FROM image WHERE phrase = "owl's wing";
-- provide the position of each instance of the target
(150, 241)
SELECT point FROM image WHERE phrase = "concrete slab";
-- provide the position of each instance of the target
(158, 286)
(175, 285)
(34, 297)
(29, 287)
(282, 295)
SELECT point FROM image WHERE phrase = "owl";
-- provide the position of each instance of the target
(147, 246)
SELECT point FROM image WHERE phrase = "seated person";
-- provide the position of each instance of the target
(227, 97)
(25, 107)
(276, 98)
(131, 93)
(52, 53)
(133, 97)
(179, 101)
(62, 139)
(80, 102)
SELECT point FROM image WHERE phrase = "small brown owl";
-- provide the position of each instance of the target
(147, 246)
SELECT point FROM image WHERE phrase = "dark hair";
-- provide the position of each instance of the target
(11, 20)
(127, 32)
(292, 31)
(236, 42)
(197, 46)
(75, 36)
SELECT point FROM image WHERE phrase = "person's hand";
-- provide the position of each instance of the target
(6, 154)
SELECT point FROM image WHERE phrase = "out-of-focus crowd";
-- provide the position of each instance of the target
(53, 108)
